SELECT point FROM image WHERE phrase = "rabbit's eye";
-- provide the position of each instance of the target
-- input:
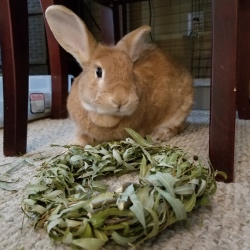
(98, 72)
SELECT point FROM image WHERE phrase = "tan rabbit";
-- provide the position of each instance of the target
(132, 84)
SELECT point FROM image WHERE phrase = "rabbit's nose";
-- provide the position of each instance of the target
(120, 97)
(119, 102)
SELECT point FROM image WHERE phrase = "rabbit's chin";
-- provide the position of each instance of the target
(106, 121)
(109, 112)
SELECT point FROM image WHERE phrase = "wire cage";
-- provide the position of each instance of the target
(180, 27)
(37, 40)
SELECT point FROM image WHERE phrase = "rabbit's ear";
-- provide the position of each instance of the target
(71, 32)
(133, 42)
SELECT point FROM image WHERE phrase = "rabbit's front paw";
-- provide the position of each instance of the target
(79, 142)
(83, 140)
(162, 134)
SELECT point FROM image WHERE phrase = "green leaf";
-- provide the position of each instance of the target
(75, 158)
(89, 243)
(137, 208)
(185, 189)
(124, 241)
(155, 223)
(98, 219)
(53, 194)
(72, 223)
(138, 138)
(202, 188)
(223, 174)
(82, 228)
(57, 209)
(32, 189)
(87, 174)
(176, 204)
(144, 168)
(68, 237)
(190, 204)
(166, 179)
(145, 196)
(99, 186)
(126, 193)
(16, 166)
(53, 224)
(7, 186)
(87, 233)
(117, 156)
(29, 202)
(100, 235)
(149, 157)
(39, 209)
(99, 201)
(172, 159)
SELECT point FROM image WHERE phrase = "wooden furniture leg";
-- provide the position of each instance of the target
(117, 17)
(124, 20)
(113, 19)
(15, 66)
(223, 88)
(58, 69)
(107, 25)
(113, 22)
(243, 66)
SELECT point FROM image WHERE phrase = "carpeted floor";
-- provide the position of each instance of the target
(224, 224)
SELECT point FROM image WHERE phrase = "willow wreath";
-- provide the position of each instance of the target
(71, 200)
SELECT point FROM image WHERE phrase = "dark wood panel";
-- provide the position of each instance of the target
(15, 67)
(58, 69)
(243, 67)
(108, 2)
(223, 89)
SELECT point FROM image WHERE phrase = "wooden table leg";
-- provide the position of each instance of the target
(243, 68)
(107, 25)
(223, 89)
(58, 69)
(124, 20)
(113, 23)
(15, 66)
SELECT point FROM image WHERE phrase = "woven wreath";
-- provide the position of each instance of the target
(72, 201)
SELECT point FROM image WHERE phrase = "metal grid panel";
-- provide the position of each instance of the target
(37, 43)
(180, 27)
(37, 40)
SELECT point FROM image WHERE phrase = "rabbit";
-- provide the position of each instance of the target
(132, 84)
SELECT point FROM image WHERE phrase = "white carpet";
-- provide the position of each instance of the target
(224, 224)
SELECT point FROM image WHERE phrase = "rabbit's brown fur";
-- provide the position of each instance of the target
(141, 87)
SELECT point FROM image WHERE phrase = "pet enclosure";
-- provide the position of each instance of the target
(37, 41)
(180, 27)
